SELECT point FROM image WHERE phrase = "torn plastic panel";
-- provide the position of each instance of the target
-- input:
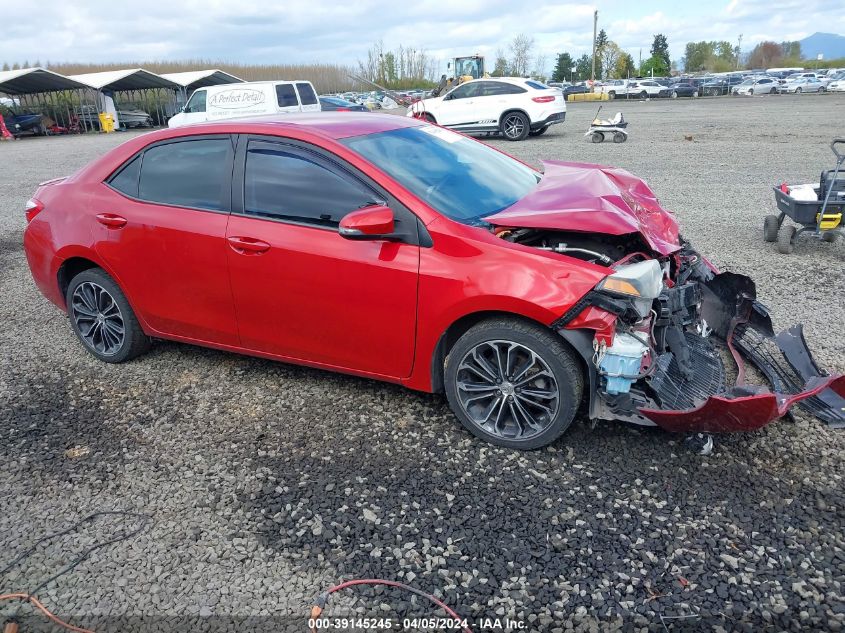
(681, 385)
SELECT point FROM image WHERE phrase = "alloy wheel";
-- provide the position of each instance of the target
(514, 126)
(507, 390)
(98, 318)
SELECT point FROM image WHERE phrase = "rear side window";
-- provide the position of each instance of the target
(187, 173)
(493, 88)
(306, 94)
(286, 95)
(126, 180)
(290, 185)
(536, 85)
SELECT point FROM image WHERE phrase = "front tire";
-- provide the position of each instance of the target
(770, 228)
(102, 319)
(514, 126)
(674, 94)
(786, 239)
(513, 384)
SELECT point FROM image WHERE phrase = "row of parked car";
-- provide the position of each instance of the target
(729, 83)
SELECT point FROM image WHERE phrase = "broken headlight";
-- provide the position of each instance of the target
(642, 282)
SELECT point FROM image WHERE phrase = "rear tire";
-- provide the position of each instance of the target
(500, 404)
(643, 95)
(597, 137)
(619, 137)
(786, 235)
(770, 228)
(798, 91)
(515, 126)
(102, 319)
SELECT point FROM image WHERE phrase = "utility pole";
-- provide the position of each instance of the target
(738, 50)
(595, 23)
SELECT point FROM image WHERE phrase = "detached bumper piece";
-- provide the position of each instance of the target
(785, 360)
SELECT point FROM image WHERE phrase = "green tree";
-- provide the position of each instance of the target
(563, 67)
(660, 50)
(625, 66)
(601, 42)
(390, 67)
(500, 69)
(608, 57)
(791, 50)
(698, 55)
(601, 39)
(583, 67)
(6, 66)
(654, 66)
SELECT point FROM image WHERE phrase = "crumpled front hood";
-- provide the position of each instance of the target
(593, 199)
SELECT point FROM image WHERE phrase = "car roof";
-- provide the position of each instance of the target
(334, 125)
(508, 80)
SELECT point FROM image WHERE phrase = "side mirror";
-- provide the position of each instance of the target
(370, 223)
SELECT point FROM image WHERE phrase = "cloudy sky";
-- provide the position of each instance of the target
(262, 31)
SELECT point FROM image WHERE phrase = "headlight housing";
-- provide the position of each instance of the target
(642, 282)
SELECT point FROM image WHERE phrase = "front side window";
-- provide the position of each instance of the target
(286, 95)
(197, 102)
(306, 94)
(465, 91)
(287, 184)
(189, 173)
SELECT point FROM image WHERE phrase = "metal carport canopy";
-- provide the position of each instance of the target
(194, 79)
(36, 80)
(120, 80)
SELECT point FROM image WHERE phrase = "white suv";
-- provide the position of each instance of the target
(644, 88)
(515, 107)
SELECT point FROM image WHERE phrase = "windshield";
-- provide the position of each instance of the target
(459, 177)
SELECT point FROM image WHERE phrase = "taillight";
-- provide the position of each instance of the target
(33, 208)
(342, 110)
(542, 99)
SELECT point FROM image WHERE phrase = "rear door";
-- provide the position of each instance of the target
(307, 97)
(287, 99)
(301, 290)
(161, 228)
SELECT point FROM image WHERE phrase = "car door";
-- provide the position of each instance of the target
(287, 100)
(307, 97)
(301, 290)
(458, 106)
(195, 110)
(161, 230)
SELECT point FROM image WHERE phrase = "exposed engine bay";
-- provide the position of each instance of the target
(653, 335)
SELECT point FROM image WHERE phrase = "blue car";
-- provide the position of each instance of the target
(336, 104)
(19, 124)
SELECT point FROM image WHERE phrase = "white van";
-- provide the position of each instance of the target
(231, 101)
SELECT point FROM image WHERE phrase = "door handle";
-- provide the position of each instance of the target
(247, 245)
(111, 220)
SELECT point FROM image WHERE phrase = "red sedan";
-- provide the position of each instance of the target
(390, 248)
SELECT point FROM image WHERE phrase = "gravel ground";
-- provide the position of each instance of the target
(267, 483)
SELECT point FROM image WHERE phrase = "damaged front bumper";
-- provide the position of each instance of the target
(685, 388)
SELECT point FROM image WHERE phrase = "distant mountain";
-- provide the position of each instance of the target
(828, 44)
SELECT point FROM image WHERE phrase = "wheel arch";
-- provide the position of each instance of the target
(70, 268)
(510, 111)
(461, 325)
